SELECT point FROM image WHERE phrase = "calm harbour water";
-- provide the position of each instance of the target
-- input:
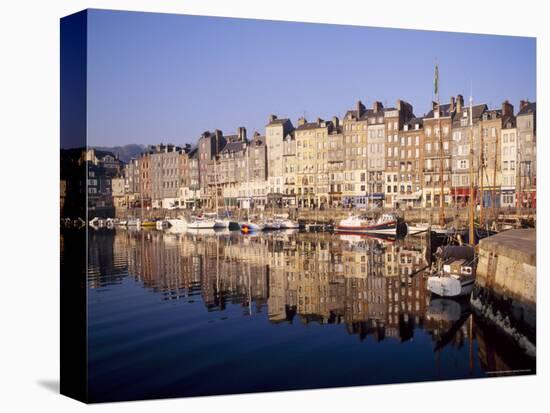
(203, 313)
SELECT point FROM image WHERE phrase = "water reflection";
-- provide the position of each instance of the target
(372, 288)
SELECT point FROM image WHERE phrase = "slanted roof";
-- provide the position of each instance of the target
(364, 116)
(278, 121)
(508, 122)
(445, 111)
(529, 108)
(477, 112)
(233, 146)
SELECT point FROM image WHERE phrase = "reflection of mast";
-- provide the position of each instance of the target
(249, 292)
(471, 343)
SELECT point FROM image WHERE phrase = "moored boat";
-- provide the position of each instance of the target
(455, 272)
(201, 223)
(249, 226)
(177, 223)
(385, 224)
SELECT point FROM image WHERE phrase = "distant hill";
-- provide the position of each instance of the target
(125, 153)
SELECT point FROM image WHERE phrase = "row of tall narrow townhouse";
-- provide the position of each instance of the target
(375, 157)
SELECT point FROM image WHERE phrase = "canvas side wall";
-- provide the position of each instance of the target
(73, 228)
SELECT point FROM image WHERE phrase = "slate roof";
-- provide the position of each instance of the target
(234, 146)
(477, 111)
(445, 111)
(530, 107)
(278, 121)
(364, 116)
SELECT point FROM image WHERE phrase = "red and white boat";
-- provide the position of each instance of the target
(386, 224)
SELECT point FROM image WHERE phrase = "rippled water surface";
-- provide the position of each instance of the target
(211, 313)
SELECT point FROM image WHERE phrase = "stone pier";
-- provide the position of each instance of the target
(505, 293)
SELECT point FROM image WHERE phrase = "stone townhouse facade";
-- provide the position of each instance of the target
(376, 155)
(289, 170)
(312, 162)
(491, 125)
(355, 131)
(437, 154)
(527, 148)
(165, 176)
(231, 169)
(394, 118)
(275, 132)
(465, 132)
(336, 162)
(145, 179)
(509, 157)
(209, 145)
(411, 158)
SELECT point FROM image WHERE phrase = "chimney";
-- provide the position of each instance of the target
(522, 104)
(272, 118)
(302, 121)
(377, 106)
(360, 109)
(459, 103)
(241, 132)
(336, 121)
(452, 105)
(507, 109)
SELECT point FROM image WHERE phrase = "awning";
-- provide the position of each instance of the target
(409, 197)
(375, 196)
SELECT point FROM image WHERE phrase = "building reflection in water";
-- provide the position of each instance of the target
(374, 287)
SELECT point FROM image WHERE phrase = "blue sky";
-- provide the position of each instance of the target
(167, 78)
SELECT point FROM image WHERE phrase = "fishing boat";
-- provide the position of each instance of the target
(454, 275)
(385, 224)
(201, 223)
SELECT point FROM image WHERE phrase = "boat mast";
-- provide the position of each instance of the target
(441, 162)
(471, 197)
(495, 179)
(519, 195)
(481, 168)
(216, 187)
(247, 182)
